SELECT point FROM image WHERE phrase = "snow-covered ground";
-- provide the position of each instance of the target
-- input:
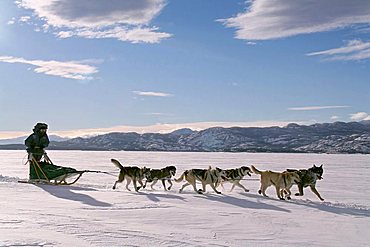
(90, 213)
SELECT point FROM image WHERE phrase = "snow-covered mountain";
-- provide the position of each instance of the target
(20, 140)
(338, 137)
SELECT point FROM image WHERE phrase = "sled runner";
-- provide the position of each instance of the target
(45, 172)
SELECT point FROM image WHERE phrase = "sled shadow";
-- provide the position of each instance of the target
(243, 203)
(334, 208)
(67, 193)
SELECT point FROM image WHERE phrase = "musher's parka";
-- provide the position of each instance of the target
(37, 141)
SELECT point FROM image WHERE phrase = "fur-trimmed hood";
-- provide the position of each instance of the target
(39, 126)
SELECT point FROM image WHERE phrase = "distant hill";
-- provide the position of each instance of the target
(20, 140)
(338, 137)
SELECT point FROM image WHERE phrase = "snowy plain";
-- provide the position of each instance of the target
(90, 213)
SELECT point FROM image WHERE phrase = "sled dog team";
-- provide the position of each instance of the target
(214, 177)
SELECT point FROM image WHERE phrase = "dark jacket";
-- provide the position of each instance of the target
(37, 141)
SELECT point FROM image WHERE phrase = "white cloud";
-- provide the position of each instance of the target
(314, 108)
(70, 69)
(24, 19)
(158, 114)
(354, 50)
(155, 94)
(126, 20)
(133, 35)
(11, 22)
(359, 116)
(268, 19)
(334, 117)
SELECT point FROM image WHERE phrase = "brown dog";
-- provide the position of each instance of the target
(282, 181)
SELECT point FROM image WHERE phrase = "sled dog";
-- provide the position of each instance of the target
(163, 174)
(206, 176)
(282, 181)
(130, 173)
(234, 176)
(308, 178)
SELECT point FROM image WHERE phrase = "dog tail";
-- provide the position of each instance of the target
(116, 163)
(181, 178)
(255, 170)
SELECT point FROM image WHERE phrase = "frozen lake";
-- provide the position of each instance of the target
(90, 213)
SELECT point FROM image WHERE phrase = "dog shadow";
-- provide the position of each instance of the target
(243, 203)
(156, 197)
(259, 197)
(67, 193)
(335, 208)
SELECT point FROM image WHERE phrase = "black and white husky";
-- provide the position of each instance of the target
(234, 176)
(130, 173)
(153, 175)
(209, 176)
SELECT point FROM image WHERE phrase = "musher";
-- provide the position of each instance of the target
(37, 141)
(44, 169)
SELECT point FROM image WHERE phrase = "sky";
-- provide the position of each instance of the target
(96, 66)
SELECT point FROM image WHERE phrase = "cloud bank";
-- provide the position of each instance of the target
(315, 108)
(154, 94)
(126, 20)
(71, 69)
(359, 116)
(354, 50)
(272, 19)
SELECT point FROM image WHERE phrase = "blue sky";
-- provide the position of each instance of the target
(88, 67)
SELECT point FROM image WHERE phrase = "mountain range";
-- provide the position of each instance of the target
(338, 137)
(20, 140)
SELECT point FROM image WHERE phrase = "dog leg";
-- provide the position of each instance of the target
(141, 184)
(195, 188)
(204, 187)
(114, 186)
(128, 183)
(279, 193)
(154, 182)
(288, 193)
(316, 192)
(121, 177)
(222, 185)
(300, 189)
(182, 188)
(288, 196)
(169, 181)
(262, 191)
(239, 185)
(285, 194)
(232, 187)
(164, 184)
(214, 188)
(135, 185)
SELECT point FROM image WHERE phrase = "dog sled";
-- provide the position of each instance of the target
(45, 172)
